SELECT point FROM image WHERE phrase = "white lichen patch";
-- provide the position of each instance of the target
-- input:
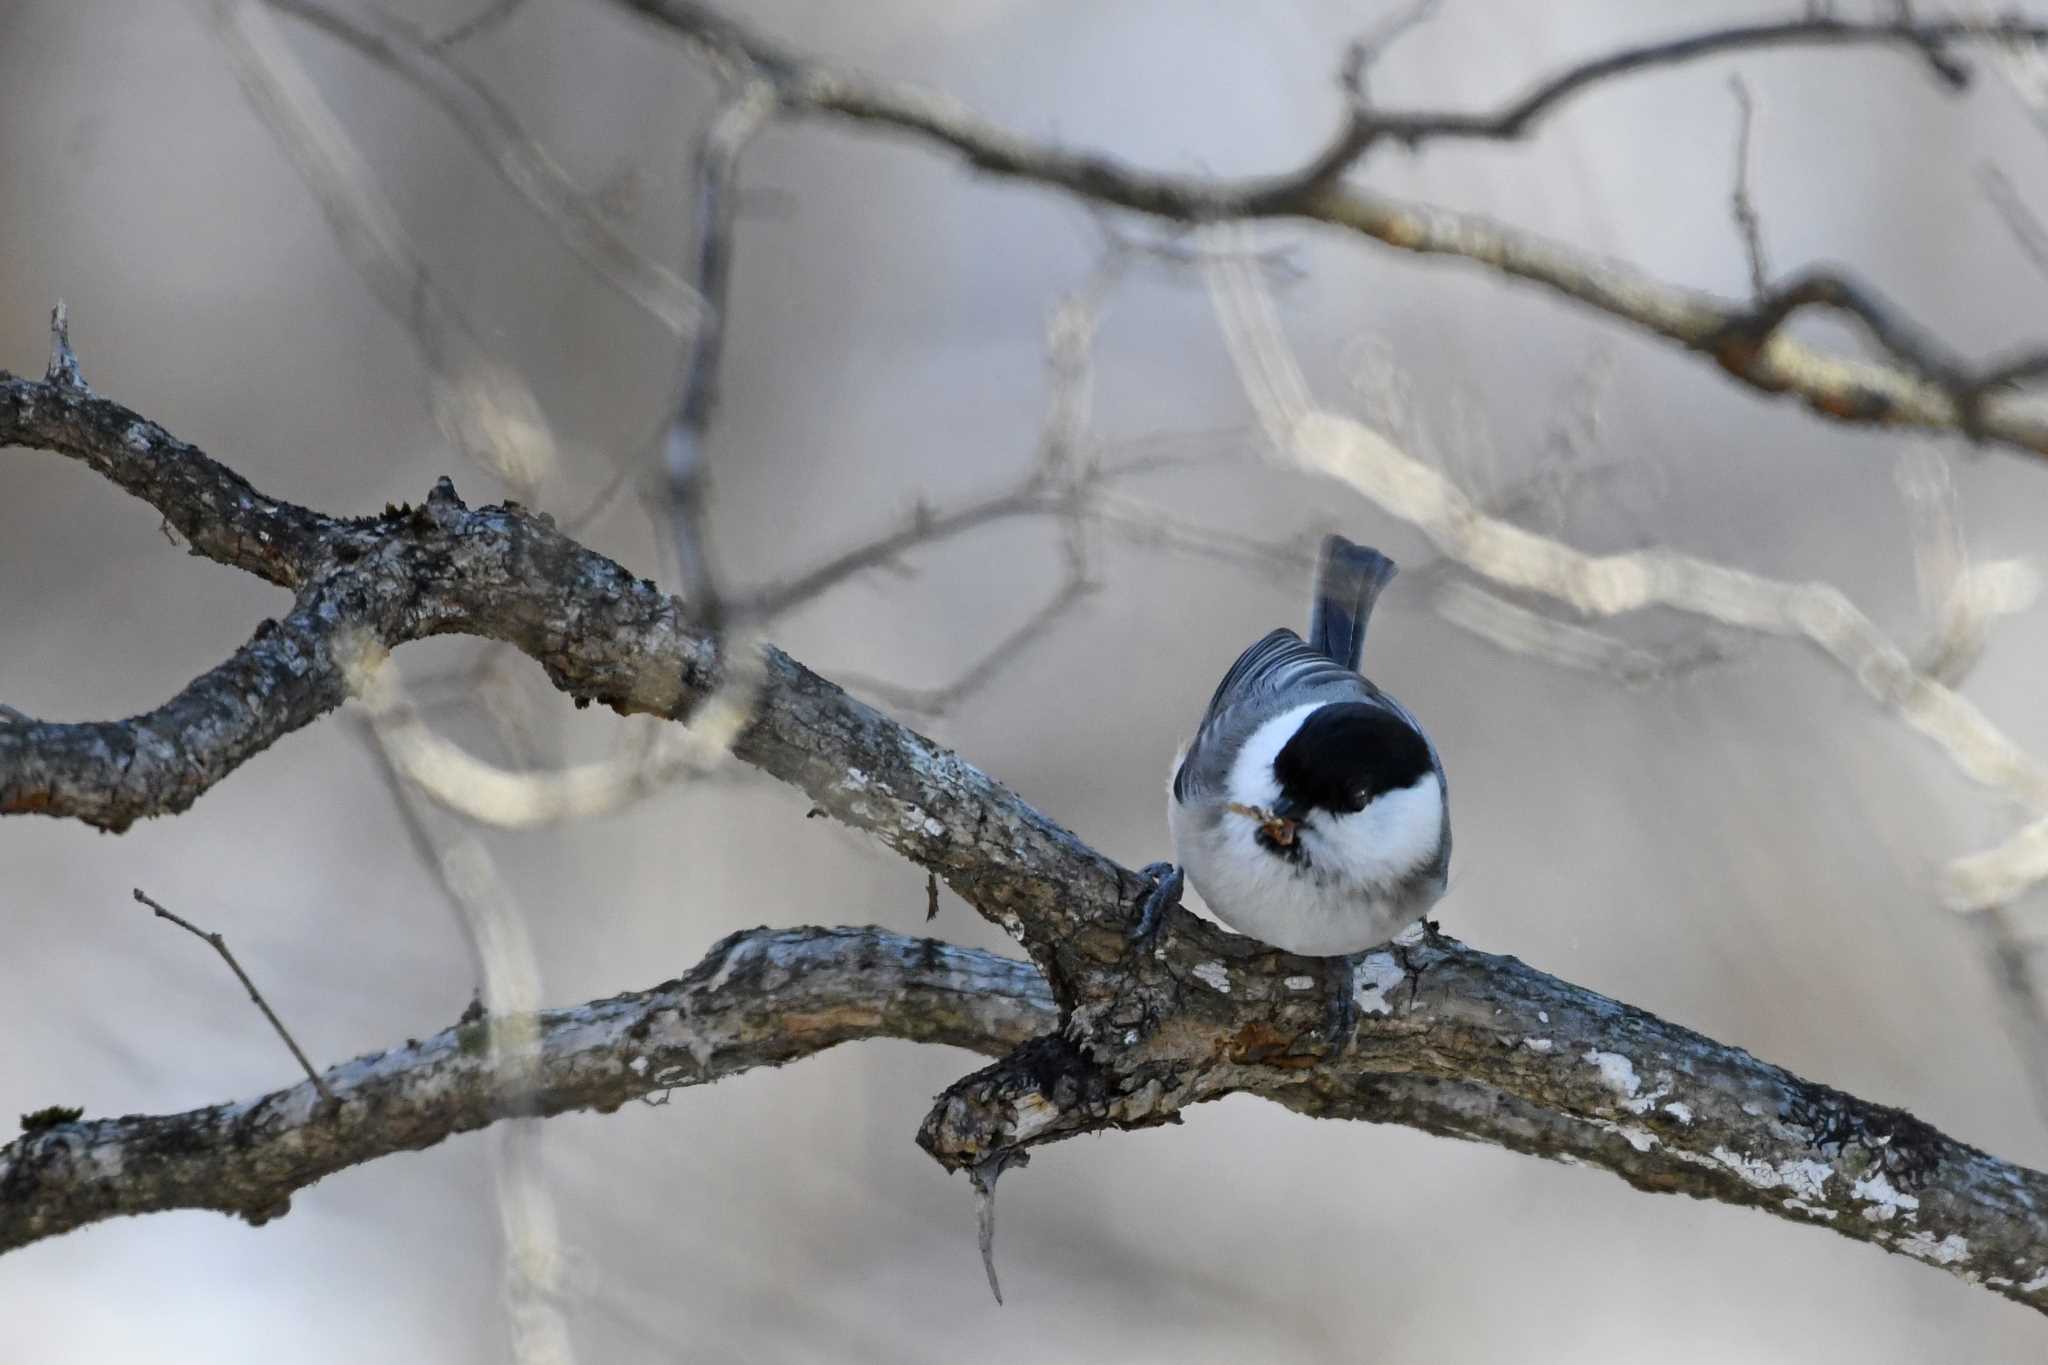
(1806, 1179)
(1683, 1113)
(1538, 1044)
(1300, 983)
(738, 953)
(1636, 1136)
(1035, 1114)
(1375, 975)
(1542, 1016)
(638, 1066)
(1213, 975)
(1616, 1071)
(1883, 1202)
(1947, 1251)
(2037, 1284)
(1811, 1211)
(1643, 1104)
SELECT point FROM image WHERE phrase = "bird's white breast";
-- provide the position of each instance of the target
(1363, 881)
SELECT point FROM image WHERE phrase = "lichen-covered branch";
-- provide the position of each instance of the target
(1920, 384)
(1452, 1040)
(1467, 1044)
(760, 998)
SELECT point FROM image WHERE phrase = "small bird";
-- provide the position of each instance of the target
(1310, 809)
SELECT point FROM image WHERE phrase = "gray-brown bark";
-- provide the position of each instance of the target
(1450, 1039)
(762, 997)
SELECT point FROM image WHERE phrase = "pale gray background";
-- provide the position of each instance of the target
(1751, 850)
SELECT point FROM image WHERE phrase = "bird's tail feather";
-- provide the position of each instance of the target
(1348, 581)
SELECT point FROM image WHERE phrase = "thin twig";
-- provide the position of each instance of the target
(63, 363)
(1740, 203)
(2028, 233)
(220, 945)
(1366, 50)
(484, 20)
(683, 443)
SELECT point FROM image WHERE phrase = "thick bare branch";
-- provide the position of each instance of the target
(1925, 387)
(1480, 1046)
(1464, 1043)
(760, 998)
(111, 773)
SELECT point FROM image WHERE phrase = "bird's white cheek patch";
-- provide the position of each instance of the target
(1251, 780)
(1396, 833)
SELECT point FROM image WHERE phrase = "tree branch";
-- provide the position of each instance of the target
(760, 998)
(1925, 387)
(1452, 1040)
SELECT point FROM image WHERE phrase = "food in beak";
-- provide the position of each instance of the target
(1277, 828)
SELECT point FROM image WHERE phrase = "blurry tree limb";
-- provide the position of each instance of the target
(1339, 447)
(484, 407)
(1452, 1040)
(684, 443)
(483, 21)
(1923, 385)
(520, 161)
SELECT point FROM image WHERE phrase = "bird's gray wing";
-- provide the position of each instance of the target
(1277, 672)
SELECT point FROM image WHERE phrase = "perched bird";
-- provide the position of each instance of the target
(1310, 808)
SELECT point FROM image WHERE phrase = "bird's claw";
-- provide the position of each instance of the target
(1167, 881)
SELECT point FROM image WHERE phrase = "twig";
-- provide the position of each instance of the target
(484, 20)
(1740, 203)
(2028, 232)
(220, 945)
(683, 443)
(63, 364)
(1367, 49)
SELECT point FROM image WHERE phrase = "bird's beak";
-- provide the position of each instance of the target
(1283, 821)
